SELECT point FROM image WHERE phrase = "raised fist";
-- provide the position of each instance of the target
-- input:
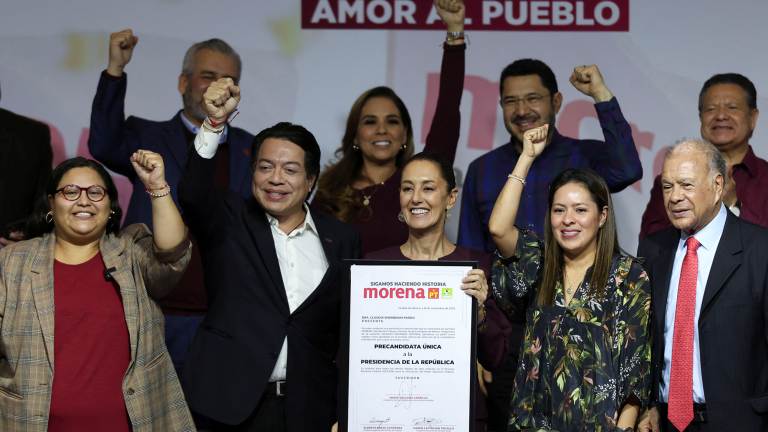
(534, 141)
(221, 99)
(587, 79)
(452, 12)
(150, 168)
(121, 46)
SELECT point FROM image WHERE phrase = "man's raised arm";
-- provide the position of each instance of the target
(203, 207)
(111, 141)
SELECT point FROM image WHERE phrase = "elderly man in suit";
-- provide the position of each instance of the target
(113, 139)
(263, 358)
(709, 274)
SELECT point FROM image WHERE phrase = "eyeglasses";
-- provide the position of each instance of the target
(95, 193)
(533, 101)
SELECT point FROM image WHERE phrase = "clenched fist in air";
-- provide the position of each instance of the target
(587, 79)
(121, 46)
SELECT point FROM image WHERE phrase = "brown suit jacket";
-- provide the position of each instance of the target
(151, 389)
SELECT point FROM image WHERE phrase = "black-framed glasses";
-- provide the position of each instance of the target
(532, 100)
(72, 192)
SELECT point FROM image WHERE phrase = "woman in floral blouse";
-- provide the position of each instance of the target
(585, 360)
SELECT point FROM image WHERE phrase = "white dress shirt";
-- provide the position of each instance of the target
(194, 129)
(300, 254)
(709, 237)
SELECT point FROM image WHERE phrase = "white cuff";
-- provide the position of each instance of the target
(206, 143)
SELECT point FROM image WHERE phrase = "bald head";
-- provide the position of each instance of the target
(692, 180)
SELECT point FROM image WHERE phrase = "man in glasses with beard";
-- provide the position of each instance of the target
(113, 139)
(530, 99)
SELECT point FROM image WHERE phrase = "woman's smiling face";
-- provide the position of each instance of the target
(576, 219)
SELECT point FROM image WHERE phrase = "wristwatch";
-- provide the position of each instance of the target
(626, 429)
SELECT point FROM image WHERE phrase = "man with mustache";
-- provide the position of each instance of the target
(530, 99)
(113, 139)
(728, 114)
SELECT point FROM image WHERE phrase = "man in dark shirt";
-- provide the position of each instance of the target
(25, 168)
(728, 114)
(530, 99)
(113, 139)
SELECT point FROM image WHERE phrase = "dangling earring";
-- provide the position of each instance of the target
(400, 217)
(448, 216)
(46, 217)
(111, 213)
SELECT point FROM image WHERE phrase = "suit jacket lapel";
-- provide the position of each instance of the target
(262, 236)
(725, 262)
(660, 274)
(663, 274)
(174, 138)
(41, 273)
(112, 253)
(329, 247)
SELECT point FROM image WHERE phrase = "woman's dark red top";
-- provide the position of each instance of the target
(91, 351)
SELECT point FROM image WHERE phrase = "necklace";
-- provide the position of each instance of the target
(569, 290)
(367, 199)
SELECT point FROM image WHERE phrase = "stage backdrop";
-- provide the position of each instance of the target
(306, 61)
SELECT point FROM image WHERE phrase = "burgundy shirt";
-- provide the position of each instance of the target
(493, 344)
(383, 229)
(751, 177)
(92, 351)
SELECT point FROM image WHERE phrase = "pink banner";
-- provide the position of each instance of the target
(497, 15)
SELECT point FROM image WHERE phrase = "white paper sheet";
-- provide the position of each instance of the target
(410, 360)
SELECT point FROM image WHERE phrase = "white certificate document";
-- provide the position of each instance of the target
(411, 360)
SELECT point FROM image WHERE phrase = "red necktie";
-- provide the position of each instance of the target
(681, 376)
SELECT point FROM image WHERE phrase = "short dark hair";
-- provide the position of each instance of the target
(295, 134)
(443, 166)
(750, 93)
(38, 226)
(525, 67)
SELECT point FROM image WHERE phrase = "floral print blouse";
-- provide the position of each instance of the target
(578, 364)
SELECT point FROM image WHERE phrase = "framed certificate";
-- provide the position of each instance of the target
(408, 347)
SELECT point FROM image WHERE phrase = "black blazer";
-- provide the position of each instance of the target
(234, 352)
(733, 330)
(25, 165)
